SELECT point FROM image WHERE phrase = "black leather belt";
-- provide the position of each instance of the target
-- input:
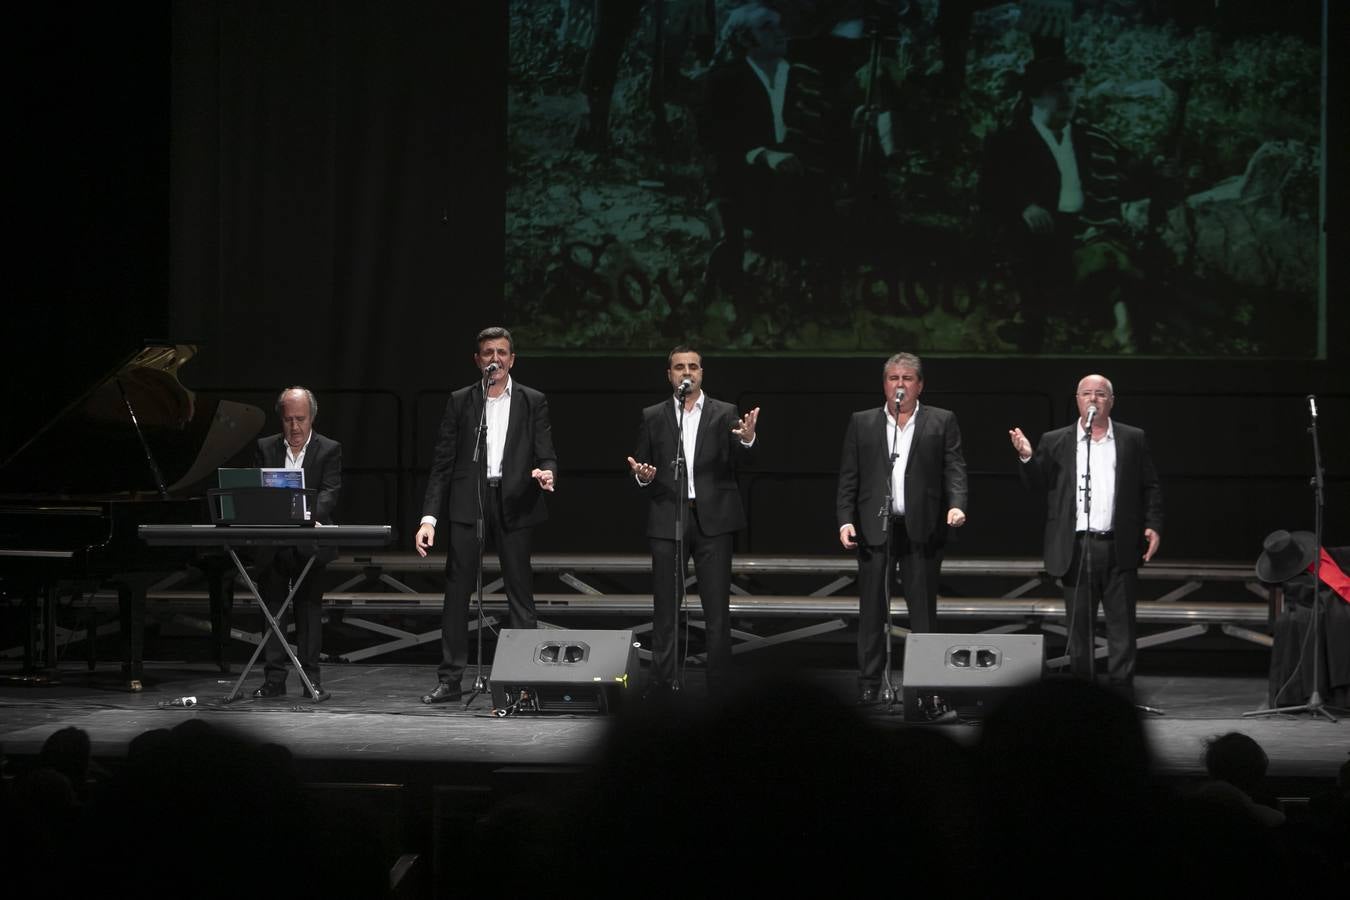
(494, 482)
(1099, 535)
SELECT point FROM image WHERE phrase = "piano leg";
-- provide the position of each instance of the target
(220, 584)
(49, 626)
(131, 616)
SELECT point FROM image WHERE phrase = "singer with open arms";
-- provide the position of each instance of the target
(513, 469)
(1124, 500)
(911, 453)
(716, 441)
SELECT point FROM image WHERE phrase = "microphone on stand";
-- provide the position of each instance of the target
(899, 397)
(685, 387)
(1312, 406)
(1091, 414)
(489, 370)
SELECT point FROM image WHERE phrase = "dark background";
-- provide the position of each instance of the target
(313, 193)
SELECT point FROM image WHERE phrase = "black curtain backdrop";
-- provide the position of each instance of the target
(313, 192)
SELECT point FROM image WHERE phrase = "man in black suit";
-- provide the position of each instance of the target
(1107, 525)
(515, 465)
(715, 442)
(298, 446)
(911, 454)
(765, 129)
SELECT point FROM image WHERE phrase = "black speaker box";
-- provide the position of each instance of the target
(971, 672)
(545, 670)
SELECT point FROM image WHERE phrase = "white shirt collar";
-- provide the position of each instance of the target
(1110, 430)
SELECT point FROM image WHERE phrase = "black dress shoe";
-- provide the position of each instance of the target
(867, 695)
(937, 711)
(269, 690)
(658, 691)
(443, 693)
(320, 694)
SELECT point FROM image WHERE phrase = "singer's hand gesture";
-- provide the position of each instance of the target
(644, 472)
(544, 477)
(746, 429)
(1020, 443)
(426, 536)
(848, 536)
(1154, 539)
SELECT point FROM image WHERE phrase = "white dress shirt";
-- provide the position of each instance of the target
(902, 445)
(297, 460)
(777, 90)
(1070, 185)
(1103, 480)
(691, 419)
(498, 417)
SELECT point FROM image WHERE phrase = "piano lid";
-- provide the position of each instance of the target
(132, 430)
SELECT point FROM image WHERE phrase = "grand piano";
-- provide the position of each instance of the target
(133, 447)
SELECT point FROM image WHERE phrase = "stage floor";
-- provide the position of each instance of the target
(375, 727)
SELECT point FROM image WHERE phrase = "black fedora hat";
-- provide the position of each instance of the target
(1039, 74)
(1285, 554)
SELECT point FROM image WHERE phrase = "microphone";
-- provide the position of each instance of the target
(899, 396)
(1091, 414)
(1312, 406)
(490, 368)
(181, 701)
(685, 387)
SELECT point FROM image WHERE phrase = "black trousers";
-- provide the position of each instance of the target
(461, 582)
(712, 566)
(274, 583)
(918, 565)
(1114, 589)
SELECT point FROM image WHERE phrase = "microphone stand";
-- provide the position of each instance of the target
(888, 691)
(1315, 704)
(1085, 561)
(678, 465)
(480, 460)
(1085, 573)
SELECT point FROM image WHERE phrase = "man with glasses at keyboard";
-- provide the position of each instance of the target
(1103, 521)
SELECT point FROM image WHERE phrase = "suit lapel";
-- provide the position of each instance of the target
(920, 423)
(515, 422)
(702, 446)
(276, 454)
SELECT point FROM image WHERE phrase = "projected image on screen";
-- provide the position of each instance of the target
(1049, 176)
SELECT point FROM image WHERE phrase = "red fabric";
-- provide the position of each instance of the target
(1332, 576)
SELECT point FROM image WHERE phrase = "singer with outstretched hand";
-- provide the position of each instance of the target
(909, 454)
(1108, 524)
(716, 441)
(505, 478)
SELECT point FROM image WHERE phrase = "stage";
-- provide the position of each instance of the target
(375, 729)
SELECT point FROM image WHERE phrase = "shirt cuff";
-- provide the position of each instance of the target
(428, 520)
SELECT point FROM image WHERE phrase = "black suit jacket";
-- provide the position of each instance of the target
(323, 469)
(529, 446)
(935, 475)
(1053, 470)
(717, 455)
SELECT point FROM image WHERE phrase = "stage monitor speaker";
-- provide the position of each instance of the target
(546, 670)
(971, 672)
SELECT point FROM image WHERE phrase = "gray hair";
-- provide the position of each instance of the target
(908, 360)
(492, 333)
(738, 32)
(313, 401)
